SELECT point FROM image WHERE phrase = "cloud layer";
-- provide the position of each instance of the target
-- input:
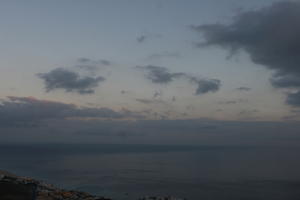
(69, 81)
(270, 35)
(24, 111)
(162, 75)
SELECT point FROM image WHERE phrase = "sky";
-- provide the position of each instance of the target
(159, 71)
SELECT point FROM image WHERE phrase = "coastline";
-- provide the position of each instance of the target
(13, 187)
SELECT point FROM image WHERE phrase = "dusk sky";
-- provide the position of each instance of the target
(156, 71)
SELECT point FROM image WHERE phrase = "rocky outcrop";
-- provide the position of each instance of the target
(160, 198)
(22, 188)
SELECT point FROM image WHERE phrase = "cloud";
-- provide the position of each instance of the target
(27, 119)
(84, 60)
(159, 74)
(270, 35)
(232, 101)
(91, 65)
(125, 92)
(141, 39)
(151, 101)
(173, 99)
(157, 94)
(288, 81)
(165, 54)
(246, 89)
(206, 85)
(144, 37)
(24, 111)
(69, 81)
(162, 75)
(248, 114)
(293, 99)
(228, 102)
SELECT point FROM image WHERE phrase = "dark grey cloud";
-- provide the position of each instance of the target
(25, 119)
(243, 89)
(24, 111)
(270, 35)
(206, 85)
(162, 75)
(293, 99)
(287, 81)
(69, 81)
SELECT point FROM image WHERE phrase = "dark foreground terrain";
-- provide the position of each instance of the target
(21, 188)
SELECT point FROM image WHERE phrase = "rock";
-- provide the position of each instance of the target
(22, 188)
(160, 198)
(13, 187)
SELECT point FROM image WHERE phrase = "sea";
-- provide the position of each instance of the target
(127, 172)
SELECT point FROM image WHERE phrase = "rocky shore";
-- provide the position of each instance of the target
(22, 188)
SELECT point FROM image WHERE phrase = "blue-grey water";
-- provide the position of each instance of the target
(131, 171)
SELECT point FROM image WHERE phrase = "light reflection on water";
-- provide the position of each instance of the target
(129, 171)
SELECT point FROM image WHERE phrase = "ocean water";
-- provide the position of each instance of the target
(131, 171)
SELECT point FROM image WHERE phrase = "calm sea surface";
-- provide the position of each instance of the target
(131, 171)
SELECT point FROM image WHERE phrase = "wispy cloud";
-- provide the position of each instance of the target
(145, 37)
(91, 65)
(243, 89)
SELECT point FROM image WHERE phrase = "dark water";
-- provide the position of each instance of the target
(129, 171)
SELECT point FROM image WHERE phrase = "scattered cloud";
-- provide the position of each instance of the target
(270, 35)
(69, 81)
(145, 37)
(228, 102)
(206, 85)
(173, 99)
(157, 94)
(242, 89)
(141, 39)
(151, 101)
(91, 65)
(84, 60)
(162, 75)
(125, 92)
(158, 74)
